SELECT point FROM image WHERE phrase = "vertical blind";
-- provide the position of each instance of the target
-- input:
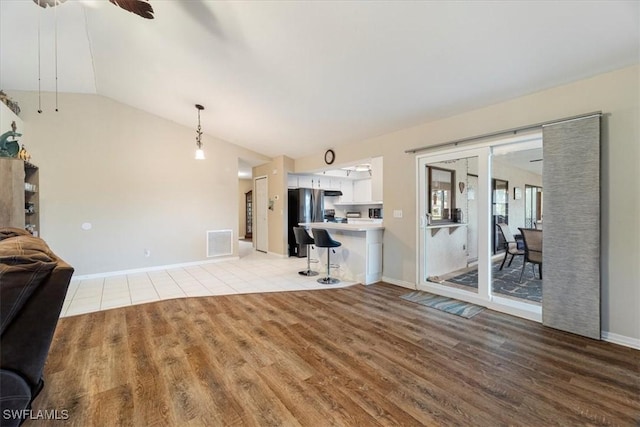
(571, 217)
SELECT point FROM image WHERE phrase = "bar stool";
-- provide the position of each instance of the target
(323, 240)
(303, 238)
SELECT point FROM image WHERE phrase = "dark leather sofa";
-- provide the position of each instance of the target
(33, 286)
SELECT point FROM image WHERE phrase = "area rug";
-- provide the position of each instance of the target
(506, 281)
(448, 305)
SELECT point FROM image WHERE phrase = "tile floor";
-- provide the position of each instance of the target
(253, 272)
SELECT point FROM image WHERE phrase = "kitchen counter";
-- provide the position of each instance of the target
(359, 257)
(342, 226)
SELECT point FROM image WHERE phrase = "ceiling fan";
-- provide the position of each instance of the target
(139, 7)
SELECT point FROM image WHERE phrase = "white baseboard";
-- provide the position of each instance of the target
(401, 283)
(620, 339)
(147, 269)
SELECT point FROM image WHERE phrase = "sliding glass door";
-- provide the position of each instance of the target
(453, 205)
(569, 176)
(463, 197)
(514, 275)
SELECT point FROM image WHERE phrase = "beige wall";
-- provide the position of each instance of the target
(276, 171)
(615, 93)
(244, 185)
(131, 175)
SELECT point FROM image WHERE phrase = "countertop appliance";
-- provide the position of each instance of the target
(329, 215)
(375, 212)
(305, 205)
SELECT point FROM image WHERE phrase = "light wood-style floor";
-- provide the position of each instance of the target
(352, 356)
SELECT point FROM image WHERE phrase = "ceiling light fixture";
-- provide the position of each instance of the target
(199, 151)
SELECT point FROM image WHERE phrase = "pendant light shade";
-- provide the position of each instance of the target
(199, 150)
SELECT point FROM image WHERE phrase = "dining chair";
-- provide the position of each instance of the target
(532, 249)
(511, 244)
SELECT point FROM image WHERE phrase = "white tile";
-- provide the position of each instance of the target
(110, 293)
(115, 303)
(202, 292)
(170, 294)
(146, 300)
(84, 305)
(137, 299)
(256, 272)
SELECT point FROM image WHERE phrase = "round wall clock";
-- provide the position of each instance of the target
(329, 156)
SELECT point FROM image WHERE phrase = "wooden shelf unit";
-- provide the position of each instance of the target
(19, 195)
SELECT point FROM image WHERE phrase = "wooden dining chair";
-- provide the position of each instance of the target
(532, 249)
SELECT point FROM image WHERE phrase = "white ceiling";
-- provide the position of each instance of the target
(296, 78)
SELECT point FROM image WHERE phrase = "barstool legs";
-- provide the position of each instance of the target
(308, 271)
(328, 280)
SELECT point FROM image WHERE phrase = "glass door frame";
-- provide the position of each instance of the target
(482, 297)
(483, 151)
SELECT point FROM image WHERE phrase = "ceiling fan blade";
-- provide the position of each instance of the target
(49, 3)
(139, 7)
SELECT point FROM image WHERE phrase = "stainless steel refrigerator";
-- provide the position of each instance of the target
(305, 205)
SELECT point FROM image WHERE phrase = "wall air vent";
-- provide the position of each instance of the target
(219, 243)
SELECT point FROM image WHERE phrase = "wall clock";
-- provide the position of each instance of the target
(329, 156)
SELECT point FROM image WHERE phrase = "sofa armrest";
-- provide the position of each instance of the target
(26, 341)
(15, 397)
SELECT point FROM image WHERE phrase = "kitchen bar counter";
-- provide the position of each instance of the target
(359, 257)
(342, 226)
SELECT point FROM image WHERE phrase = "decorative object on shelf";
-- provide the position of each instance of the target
(199, 151)
(517, 193)
(23, 154)
(10, 148)
(461, 187)
(139, 7)
(329, 156)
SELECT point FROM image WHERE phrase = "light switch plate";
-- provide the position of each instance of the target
(397, 213)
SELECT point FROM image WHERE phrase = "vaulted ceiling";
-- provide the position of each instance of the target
(296, 77)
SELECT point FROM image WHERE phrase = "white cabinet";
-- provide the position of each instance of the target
(346, 186)
(376, 179)
(362, 190)
(333, 184)
(314, 181)
(305, 181)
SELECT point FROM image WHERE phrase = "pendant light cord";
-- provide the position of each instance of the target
(55, 3)
(39, 84)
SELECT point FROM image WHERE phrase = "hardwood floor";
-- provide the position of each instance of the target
(352, 356)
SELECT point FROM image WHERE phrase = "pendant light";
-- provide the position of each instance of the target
(199, 151)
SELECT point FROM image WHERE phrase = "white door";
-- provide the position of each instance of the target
(262, 239)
